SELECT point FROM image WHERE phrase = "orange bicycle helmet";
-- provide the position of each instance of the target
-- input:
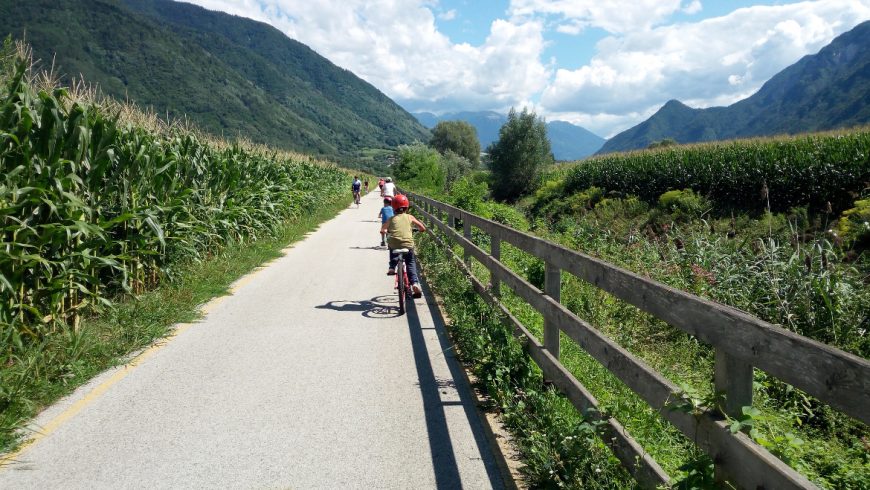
(400, 201)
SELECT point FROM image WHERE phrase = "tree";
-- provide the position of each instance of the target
(419, 166)
(455, 166)
(459, 137)
(662, 144)
(518, 156)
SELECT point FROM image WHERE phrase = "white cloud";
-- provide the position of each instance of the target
(395, 45)
(449, 15)
(693, 7)
(615, 16)
(645, 61)
(716, 61)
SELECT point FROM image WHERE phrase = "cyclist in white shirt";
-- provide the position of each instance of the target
(389, 188)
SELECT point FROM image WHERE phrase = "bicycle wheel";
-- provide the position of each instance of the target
(400, 267)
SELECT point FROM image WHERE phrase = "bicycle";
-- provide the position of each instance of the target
(403, 283)
(356, 198)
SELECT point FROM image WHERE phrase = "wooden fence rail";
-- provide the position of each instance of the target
(740, 340)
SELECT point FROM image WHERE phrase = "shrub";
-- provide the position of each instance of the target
(468, 194)
(505, 214)
(420, 167)
(854, 225)
(684, 201)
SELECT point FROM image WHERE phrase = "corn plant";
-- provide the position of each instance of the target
(93, 206)
(821, 170)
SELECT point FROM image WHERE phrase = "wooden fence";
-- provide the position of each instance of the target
(741, 342)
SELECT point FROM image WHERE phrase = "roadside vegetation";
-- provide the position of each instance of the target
(775, 227)
(115, 225)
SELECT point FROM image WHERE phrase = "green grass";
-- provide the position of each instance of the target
(779, 267)
(46, 371)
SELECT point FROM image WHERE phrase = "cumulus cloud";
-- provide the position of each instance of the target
(396, 46)
(645, 60)
(716, 61)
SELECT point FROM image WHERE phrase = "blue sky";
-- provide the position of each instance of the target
(603, 64)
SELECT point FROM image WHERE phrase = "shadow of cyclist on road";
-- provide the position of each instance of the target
(377, 307)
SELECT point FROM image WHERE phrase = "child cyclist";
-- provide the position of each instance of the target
(398, 229)
(385, 215)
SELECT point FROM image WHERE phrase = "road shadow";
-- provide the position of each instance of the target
(375, 247)
(377, 307)
(440, 444)
(446, 469)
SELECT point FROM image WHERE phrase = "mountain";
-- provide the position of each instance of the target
(569, 142)
(227, 74)
(827, 90)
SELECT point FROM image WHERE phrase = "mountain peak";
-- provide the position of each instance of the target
(828, 90)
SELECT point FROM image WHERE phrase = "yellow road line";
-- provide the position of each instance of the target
(95, 393)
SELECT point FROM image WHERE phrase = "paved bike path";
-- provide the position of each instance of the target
(305, 377)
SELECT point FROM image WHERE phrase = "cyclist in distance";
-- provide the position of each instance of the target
(366, 184)
(381, 186)
(399, 235)
(355, 187)
(389, 188)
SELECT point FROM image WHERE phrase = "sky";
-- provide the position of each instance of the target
(606, 65)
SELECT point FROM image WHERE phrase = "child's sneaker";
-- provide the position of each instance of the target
(417, 291)
(391, 272)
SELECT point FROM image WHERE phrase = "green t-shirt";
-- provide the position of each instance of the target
(399, 231)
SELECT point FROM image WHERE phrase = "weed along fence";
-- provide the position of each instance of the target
(741, 343)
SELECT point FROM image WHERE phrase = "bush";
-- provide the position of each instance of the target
(504, 214)
(468, 194)
(684, 201)
(853, 228)
(420, 167)
(455, 166)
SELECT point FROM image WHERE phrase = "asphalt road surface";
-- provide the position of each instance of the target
(304, 377)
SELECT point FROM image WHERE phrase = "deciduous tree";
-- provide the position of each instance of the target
(519, 154)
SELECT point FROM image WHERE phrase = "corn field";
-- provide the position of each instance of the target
(775, 174)
(92, 207)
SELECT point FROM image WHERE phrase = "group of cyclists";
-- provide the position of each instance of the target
(396, 227)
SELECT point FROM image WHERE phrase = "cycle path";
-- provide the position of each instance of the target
(304, 377)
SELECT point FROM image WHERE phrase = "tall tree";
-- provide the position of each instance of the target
(518, 156)
(460, 137)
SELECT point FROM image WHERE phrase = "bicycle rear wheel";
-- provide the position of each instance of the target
(403, 291)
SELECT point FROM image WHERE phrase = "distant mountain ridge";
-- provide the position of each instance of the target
(230, 75)
(568, 141)
(827, 90)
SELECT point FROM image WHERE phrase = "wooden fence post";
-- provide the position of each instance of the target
(553, 289)
(495, 251)
(466, 232)
(733, 378)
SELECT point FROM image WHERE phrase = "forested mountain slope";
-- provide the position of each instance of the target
(228, 74)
